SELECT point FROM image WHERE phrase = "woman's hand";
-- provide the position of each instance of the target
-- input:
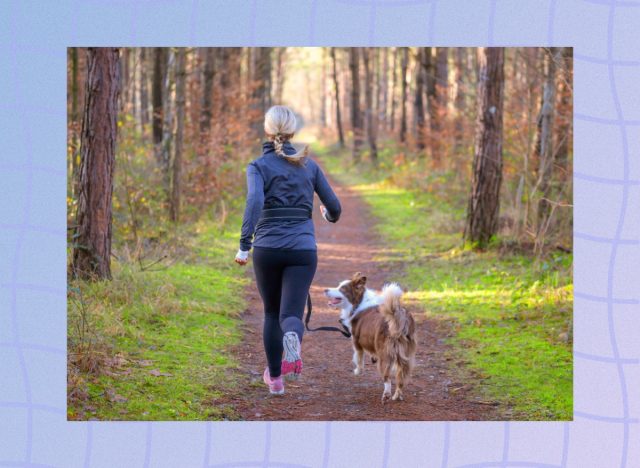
(323, 210)
(242, 257)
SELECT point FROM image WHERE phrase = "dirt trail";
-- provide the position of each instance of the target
(328, 389)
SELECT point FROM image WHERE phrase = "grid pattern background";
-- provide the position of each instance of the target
(33, 39)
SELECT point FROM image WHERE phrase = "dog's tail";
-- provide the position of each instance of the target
(401, 346)
(394, 314)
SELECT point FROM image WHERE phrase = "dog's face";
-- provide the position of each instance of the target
(348, 293)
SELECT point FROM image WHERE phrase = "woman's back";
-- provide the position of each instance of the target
(274, 182)
(286, 184)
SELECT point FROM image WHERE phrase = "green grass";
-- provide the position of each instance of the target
(177, 323)
(511, 314)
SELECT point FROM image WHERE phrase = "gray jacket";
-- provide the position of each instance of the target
(273, 182)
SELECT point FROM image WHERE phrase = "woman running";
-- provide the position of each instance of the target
(277, 223)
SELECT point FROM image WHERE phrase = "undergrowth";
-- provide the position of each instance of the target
(153, 344)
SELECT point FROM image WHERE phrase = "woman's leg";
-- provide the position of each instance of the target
(296, 281)
(268, 270)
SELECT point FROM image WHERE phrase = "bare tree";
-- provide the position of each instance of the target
(404, 63)
(280, 75)
(544, 147)
(356, 117)
(418, 104)
(323, 87)
(206, 111)
(564, 105)
(230, 59)
(262, 79)
(459, 100)
(181, 73)
(437, 90)
(74, 119)
(167, 124)
(92, 238)
(484, 202)
(159, 71)
(369, 108)
(336, 89)
(124, 80)
(384, 88)
(394, 68)
(260, 73)
(144, 91)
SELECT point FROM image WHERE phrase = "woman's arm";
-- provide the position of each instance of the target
(327, 197)
(253, 207)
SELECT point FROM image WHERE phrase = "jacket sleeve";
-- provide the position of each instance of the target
(253, 207)
(327, 196)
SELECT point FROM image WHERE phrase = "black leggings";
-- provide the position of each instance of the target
(284, 278)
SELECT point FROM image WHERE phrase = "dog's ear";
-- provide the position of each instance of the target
(358, 278)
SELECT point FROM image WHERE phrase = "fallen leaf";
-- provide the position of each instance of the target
(114, 397)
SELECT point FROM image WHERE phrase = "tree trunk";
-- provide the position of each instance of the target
(181, 73)
(167, 127)
(484, 202)
(356, 117)
(323, 92)
(565, 112)
(404, 63)
(280, 75)
(92, 239)
(392, 118)
(144, 93)
(229, 92)
(159, 69)
(336, 89)
(124, 81)
(544, 149)
(207, 93)
(261, 85)
(75, 150)
(459, 101)
(384, 88)
(418, 104)
(370, 110)
(438, 103)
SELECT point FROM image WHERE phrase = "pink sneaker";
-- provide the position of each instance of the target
(276, 386)
(292, 362)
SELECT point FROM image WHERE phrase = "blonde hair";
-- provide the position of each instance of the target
(280, 124)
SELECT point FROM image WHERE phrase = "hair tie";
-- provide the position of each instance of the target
(278, 144)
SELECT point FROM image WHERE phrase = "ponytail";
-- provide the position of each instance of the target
(298, 158)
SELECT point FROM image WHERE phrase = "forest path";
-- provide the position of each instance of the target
(328, 389)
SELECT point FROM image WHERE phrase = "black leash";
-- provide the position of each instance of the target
(344, 330)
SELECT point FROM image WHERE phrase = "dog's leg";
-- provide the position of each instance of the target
(401, 372)
(358, 360)
(385, 369)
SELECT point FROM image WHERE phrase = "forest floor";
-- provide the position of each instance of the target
(494, 327)
(172, 342)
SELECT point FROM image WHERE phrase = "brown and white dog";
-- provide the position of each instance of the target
(380, 326)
